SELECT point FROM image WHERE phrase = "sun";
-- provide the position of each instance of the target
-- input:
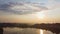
(40, 15)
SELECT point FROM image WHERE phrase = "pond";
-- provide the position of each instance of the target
(25, 31)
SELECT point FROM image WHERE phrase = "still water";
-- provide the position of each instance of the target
(25, 31)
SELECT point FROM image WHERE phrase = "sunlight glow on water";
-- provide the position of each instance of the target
(41, 31)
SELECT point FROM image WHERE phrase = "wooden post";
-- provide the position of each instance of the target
(1, 30)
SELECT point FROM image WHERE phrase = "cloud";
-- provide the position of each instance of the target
(18, 8)
(53, 4)
(4, 6)
(21, 8)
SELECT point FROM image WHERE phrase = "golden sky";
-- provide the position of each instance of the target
(36, 11)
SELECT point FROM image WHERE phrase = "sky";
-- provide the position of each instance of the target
(30, 11)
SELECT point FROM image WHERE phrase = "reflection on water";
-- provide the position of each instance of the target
(21, 31)
(25, 31)
(47, 32)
